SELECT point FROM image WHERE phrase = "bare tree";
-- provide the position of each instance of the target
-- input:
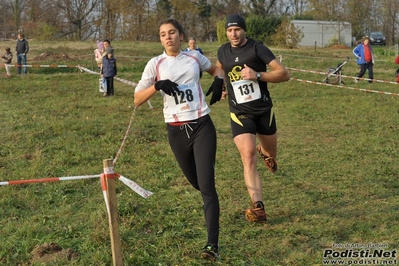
(388, 14)
(333, 10)
(7, 25)
(298, 7)
(77, 17)
(139, 19)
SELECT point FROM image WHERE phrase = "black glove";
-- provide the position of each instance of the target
(167, 86)
(216, 89)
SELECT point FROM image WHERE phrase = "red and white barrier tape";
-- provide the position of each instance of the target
(38, 66)
(87, 70)
(104, 189)
(345, 87)
(44, 180)
(133, 185)
(131, 83)
(338, 75)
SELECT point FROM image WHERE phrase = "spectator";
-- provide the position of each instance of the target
(192, 45)
(7, 60)
(98, 54)
(397, 70)
(109, 71)
(106, 44)
(365, 59)
(22, 48)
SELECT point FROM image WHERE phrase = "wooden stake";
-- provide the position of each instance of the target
(113, 212)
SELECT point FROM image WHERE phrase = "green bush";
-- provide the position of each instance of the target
(258, 28)
(262, 29)
(287, 35)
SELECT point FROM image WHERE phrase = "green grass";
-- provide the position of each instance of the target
(337, 180)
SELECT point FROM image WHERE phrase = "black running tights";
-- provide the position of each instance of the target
(194, 146)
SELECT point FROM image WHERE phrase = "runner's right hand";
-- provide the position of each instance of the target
(167, 86)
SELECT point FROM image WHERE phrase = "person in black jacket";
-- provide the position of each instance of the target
(109, 71)
(22, 49)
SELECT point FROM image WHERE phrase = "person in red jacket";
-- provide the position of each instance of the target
(365, 59)
(397, 70)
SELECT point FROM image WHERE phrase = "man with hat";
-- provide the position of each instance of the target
(244, 62)
(365, 58)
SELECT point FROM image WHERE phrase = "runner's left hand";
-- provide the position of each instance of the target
(216, 89)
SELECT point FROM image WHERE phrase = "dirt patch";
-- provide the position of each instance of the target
(51, 56)
(48, 253)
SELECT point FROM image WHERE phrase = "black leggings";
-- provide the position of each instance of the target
(110, 85)
(194, 146)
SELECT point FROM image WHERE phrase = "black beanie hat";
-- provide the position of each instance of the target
(236, 20)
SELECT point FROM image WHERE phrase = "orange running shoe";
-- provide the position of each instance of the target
(270, 162)
(257, 213)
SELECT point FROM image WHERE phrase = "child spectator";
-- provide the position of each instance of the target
(108, 71)
(7, 60)
(98, 53)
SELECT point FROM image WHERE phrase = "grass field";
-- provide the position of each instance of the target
(337, 182)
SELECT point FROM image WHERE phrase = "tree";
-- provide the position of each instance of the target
(163, 9)
(389, 11)
(77, 17)
(262, 28)
(298, 7)
(136, 20)
(16, 14)
(332, 10)
(359, 13)
(205, 12)
(7, 25)
(111, 15)
(139, 19)
(287, 35)
(261, 7)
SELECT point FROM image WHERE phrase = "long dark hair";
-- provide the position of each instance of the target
(175, 24)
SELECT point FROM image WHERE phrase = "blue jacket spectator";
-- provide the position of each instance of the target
(365, 59)
(192, 45)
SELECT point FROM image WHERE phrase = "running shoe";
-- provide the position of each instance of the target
(210, 252)
(270, 162)
(257, 213)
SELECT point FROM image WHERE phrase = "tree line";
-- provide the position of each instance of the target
(138, 20)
